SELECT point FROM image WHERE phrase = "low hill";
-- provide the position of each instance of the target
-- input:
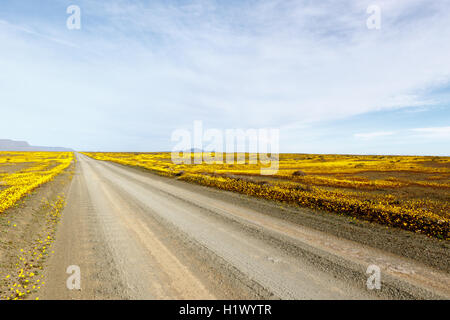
(12, 145)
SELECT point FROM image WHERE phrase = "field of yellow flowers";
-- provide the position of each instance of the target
(408, 192)
(22, 172)
(26, 278)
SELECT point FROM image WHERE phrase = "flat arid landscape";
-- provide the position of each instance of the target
(141, 227)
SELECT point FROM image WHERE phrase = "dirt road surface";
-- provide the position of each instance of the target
(135, 235)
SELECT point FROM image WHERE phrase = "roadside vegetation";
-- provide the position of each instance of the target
(22, 172)
(31, 202)
(408, 192)
(25, 278)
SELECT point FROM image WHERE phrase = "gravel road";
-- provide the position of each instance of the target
(135, 235)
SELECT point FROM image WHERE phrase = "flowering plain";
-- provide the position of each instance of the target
(31, 202)
(407, 192)
(22, 172)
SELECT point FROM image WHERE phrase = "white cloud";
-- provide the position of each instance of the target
(27, 30)
(372, 135)
(143, 69)
(433, 132)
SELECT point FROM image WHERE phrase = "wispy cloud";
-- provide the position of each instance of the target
(430, 132)
(434, 132)
(138, 69)
(30, 31)
(373, 135)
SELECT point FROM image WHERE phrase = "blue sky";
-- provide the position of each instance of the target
(137, 70)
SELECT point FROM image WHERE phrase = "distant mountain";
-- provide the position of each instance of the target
(192, 150)
(12, 145)
(195, 150)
